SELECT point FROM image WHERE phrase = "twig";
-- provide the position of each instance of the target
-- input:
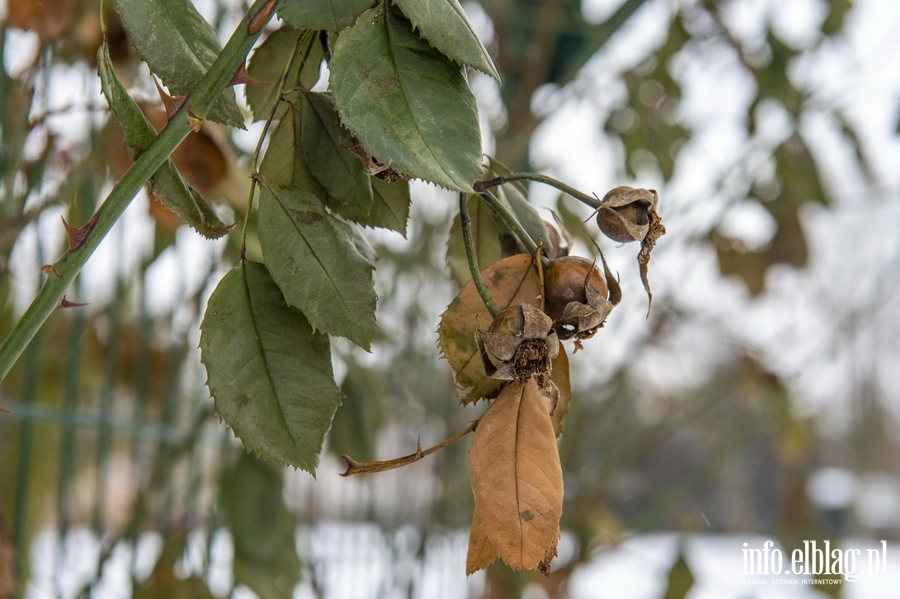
(354, 467)
(591, 201)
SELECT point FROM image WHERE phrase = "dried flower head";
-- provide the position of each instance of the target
(629, 214)
(578, 297)
(520, 344)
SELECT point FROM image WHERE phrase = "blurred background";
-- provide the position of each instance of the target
(759, 401)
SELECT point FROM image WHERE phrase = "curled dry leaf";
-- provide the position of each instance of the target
(517, 478)
(629, 214)
(510, 281)
(563, 386)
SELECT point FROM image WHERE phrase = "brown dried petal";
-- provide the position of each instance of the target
(580, 320)
(577, 319)
(500, 345)
(612, 284)
(537, 324)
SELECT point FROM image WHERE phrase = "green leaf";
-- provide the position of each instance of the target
(325, 146)
(163, 581)
(167, 184)
(268, 62)
(356, 425)
(681, 580)
(390, 208)
(445, 25)
(407, 103)
(265, 554)
(312, 258)
(332, 15)
(486, 233)
(285, 166)
(269, 372)
(179, 46)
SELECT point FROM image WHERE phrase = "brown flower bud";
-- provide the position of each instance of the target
(519, 344)
(628, 214)
(624, 213)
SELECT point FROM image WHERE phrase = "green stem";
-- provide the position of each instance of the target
(590, 200)
(195, 109)
(466, 226)
(511, 222)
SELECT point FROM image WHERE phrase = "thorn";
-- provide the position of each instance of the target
(259, 20)
(243, 77)
(64, 303)
(419, 448)
(351, 465)
(50, 269)
(194, 120)
(172, 105)
(5, 411)
(77, 237)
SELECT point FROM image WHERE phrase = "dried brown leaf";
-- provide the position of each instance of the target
(559, 376)
(203, 158)
(481, 552)
(517, 478)
(49, 19)
(510, 281)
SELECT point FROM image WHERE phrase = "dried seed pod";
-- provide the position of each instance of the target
(628, 214)
(519, 344)
(578, 297)
(624, 213)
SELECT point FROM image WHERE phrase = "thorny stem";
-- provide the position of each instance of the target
(206, 92)
(466, 226)
(255, 161)
(590, 200)
(354, 467)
